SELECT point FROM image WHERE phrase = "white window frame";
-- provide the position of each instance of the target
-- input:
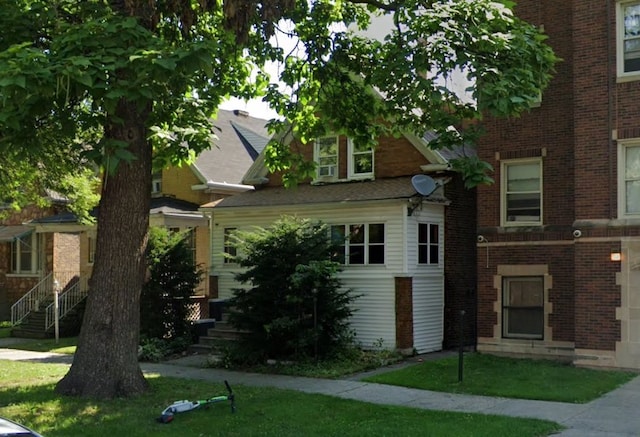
(429, 244)
(366, 243)
(503, 191)
(351, 158)
(624, 177)
(620, 41)
(156, 183)
(326, 172)
(228, 249)
(16, 247)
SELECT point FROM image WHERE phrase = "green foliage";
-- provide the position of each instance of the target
(347, 361)
(157, 349)
(81, 188)
(294, 305)
(173, 277)
(66, 67)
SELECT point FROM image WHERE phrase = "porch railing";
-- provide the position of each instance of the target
(71, 296)
(72, 289)
(32, 301)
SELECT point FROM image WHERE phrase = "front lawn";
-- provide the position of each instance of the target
(26, 395)
(490, 375)
(65, 345)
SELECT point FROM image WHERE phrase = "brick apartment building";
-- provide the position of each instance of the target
(559, 231)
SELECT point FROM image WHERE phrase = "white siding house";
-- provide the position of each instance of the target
(375, 320)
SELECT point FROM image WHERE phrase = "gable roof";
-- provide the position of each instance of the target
(347, 192)
(241, 139)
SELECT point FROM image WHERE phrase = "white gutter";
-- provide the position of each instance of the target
(435, 167)
(223, 187)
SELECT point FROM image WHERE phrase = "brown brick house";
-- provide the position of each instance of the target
(558, 247)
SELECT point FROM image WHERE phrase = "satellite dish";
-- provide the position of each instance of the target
(423, 184)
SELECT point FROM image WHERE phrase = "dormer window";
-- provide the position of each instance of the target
(326, 157)
(360, 161)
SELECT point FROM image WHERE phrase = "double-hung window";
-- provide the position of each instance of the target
(326, 157)
(24, 254)
(230, 250)
(360, 161)
(428, 243)
(628, 24)
(156, 183)
(522, 192)
(629, 171)
(523, 307)
(359, 243)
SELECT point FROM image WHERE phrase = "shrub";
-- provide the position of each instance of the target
(173, 277)
(295, 305)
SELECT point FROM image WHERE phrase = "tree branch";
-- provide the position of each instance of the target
(389, 7)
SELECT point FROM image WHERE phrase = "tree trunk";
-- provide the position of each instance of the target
(106, 361)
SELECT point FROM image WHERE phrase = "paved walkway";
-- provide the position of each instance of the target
(616, 414)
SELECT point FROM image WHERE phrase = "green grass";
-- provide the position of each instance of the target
(66, 345)
(26, 395)
(508, 377)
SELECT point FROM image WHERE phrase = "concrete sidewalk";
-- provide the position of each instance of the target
(616, 414)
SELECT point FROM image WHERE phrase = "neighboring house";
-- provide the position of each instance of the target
(26, 255)
(559, 231)
(396, 242)
(49, 245)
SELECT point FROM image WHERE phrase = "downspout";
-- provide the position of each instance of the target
(613, 190)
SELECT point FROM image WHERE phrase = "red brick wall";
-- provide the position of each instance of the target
(393, 157)
(559, 258)
(597, 296)
(550, 127)
(580, 115)
(594, 73)
(404, 313)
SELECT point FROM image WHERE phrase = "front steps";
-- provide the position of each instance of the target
(217, 337)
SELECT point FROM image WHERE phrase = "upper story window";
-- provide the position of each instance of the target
(628, 23)
(521, 192)
(629, 186)
(428, 243)
(230, 251)
(359, 243)
(360, 161)
(91, 240)
(24, 254)
(326, 157)
(156, 182)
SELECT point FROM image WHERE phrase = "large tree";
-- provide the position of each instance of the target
(133, 84)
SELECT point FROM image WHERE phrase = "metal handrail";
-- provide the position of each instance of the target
(74, 293)
(32, 300)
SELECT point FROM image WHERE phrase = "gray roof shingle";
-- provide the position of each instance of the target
(240, 139)
(380, 189)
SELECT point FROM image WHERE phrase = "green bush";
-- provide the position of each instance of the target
(173, 277)
(295, 305)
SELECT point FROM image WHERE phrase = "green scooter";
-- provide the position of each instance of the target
(184, 406)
